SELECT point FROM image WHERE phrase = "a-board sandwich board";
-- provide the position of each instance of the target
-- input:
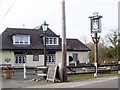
(53, 74)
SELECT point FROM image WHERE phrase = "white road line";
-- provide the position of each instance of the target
(75, 86)
(80, 85)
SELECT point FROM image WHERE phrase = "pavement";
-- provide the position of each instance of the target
(18, 81)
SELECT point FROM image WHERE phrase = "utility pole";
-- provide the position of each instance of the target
(64, 66)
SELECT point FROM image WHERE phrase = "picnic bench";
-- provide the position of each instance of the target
(41, 71)
(5, 66)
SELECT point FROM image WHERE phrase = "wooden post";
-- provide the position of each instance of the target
(95, 21)
(64, 67)
(96, 40)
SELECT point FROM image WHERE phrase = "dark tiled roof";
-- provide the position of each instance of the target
(36, 41)
(76, 45)
(7, 42)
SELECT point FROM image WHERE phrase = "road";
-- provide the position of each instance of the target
(101, 83)
(106, 82)
(18, 81)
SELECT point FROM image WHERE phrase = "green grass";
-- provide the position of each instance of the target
(89, 76)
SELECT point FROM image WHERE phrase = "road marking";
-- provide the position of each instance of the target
(75, 86)
(79, 85)
(87, 83)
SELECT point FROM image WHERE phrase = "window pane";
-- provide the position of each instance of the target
(16, 60)
(21, 40)
(35, 57)
(51, 59)
(75, 56)
(20, 61)
(51, 41)
(55, 40)
(25, 39)
(16, 39)
(47, 59)
(23, 59)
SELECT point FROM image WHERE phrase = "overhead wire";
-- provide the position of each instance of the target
(7, 11)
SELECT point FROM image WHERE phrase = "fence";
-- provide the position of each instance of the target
(89, 69)
(72, 70)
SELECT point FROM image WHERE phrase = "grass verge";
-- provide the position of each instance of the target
(90, 76)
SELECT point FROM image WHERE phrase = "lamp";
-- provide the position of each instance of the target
(45, 26)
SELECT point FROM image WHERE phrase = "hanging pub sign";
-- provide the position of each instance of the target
(95, 21)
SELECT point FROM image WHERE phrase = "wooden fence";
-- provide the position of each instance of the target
(85, 69)
(75, 70)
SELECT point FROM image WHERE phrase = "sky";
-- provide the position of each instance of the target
(31, 13)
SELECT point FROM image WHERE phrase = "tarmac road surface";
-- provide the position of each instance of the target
(18, 81)
(106, 82)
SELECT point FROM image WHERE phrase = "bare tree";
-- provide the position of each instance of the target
(110, 42)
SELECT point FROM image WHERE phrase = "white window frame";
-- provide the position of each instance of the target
(35, 57)
(50, 59)
(21, 39)
(52, 40)
(18, 60)
(75, 56)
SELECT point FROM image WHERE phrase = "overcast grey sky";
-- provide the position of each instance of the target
(32, 13)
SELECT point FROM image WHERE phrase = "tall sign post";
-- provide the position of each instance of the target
(95, 22)
(64, 66)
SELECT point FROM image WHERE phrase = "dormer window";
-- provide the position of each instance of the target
(21, 39)
(52, 40)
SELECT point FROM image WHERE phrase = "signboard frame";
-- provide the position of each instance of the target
(95, 23)
(52, 72)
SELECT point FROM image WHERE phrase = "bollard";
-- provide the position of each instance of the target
(24, 71)
(60, 71)
(95, 74)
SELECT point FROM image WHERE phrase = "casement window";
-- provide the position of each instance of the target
(50, 59)
(35, 57)
(52, 40)
(19, 59)
(21, 39)
(75, 56)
